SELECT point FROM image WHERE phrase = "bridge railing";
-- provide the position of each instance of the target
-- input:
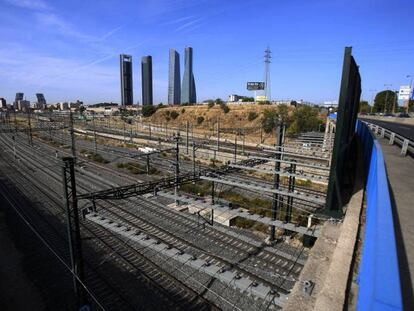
(407, 146)
(379, 276)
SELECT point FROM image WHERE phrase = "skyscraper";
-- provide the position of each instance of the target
(19, 96)
(174, 87)
(125, 63)
(188, 91)
(41, 101)
(146, 78)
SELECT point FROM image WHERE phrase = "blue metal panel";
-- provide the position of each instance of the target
(379, 276)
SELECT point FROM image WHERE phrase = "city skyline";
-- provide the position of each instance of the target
(60, 53)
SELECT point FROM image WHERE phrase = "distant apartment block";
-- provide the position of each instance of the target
(125, 63)
(174, 81)
(146, 79)
(188, 89)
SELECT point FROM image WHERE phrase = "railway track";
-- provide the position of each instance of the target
(137, 271)
(286, 270)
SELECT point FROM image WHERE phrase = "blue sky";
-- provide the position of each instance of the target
(69, 50)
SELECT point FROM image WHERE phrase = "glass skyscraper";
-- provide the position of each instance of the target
(174, 87)
(188, 90)
(125, 63)
(146, 78)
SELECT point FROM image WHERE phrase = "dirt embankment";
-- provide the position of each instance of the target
(237, 117)
(245, 121)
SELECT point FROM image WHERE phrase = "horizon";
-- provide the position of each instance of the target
(70, 51)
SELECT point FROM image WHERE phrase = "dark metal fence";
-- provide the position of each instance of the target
(348, 107)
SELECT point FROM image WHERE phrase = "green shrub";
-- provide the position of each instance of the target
(148, 110)
(252, 115)
(174, 115)
(200, 120)
(224, 107)
(182, 110)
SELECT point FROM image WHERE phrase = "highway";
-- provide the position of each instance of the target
(405, 130)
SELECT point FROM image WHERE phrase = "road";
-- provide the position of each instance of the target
(405, 130)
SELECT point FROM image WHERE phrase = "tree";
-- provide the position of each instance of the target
(305, 119)
(283, 112)
(218, 101)
(211, 104)
(385, 101)
(364, 106)
(148, 110)
(269, 121)
(411, 105)
(248, 99)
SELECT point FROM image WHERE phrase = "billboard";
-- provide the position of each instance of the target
(261, 98)
(405, 92)
(254, 86)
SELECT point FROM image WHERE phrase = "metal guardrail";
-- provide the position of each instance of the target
(393, 138)
(379, 274)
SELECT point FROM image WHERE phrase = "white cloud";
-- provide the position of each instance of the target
(188, 24)
(29, 4)
(54, 23)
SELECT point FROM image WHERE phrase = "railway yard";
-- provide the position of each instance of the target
(172, 220)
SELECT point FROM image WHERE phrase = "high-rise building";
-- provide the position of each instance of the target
(188, 89)
(146, 78)
(3, 103)
(125, 63)
(23, 105)
(19, 96)
(41, 101)
(174, 83)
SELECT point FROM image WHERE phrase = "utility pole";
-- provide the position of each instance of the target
(291, 189)
(148, 163)
(187, 133)
(72, 136)
(218, 134)
(244, 137)
(30, 128)
(393, 102)
(276, 180)
(177, 164)
(267, 61)
(372, 99)
(194, 161)
(15, 121)
(94, 134)
(235, 148)
(410, 95)
(123, 122)
(75, 245)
